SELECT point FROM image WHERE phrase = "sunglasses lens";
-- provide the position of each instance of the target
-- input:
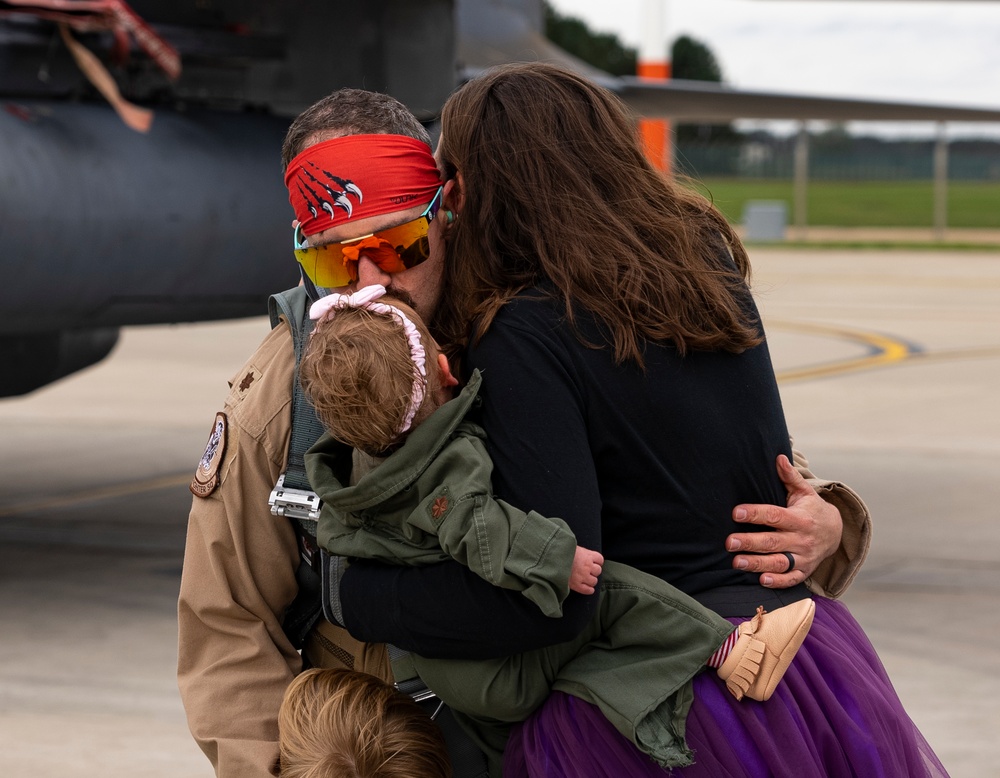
(415, 253)
(325, 266)
(410, 242)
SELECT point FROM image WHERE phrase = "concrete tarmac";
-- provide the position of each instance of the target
(889, 366)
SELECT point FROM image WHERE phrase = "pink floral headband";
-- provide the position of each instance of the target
(326, 307)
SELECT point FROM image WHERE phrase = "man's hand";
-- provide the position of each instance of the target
(809, 528)
(587, 566)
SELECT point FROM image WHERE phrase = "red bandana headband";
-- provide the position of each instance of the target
(350, 178)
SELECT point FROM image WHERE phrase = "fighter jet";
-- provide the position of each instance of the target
(140, 179)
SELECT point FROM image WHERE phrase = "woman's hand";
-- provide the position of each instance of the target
(809, 528)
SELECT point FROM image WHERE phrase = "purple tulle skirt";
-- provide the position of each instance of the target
(834, 714)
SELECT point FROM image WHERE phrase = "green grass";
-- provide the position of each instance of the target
(874, 245)
(864, 203)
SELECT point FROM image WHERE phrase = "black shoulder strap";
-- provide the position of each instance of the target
(292, 495)
(293, 306)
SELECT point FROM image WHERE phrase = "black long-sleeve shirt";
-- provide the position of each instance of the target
(644, 466)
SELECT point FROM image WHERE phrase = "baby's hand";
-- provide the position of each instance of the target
(587, 566)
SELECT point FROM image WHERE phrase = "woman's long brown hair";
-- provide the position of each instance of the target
(558, 193)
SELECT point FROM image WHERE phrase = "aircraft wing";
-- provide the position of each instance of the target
(701, 102)
(491, 32)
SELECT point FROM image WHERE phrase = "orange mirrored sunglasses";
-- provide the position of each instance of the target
(394, 249)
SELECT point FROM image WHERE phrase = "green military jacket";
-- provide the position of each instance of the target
(432, 499)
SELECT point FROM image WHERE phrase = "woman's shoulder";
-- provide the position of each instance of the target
(533, 314)
(533, 328)
(537, 306)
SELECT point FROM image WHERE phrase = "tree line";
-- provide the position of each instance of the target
(690, 59)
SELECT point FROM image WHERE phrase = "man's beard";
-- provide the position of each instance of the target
(400, 294)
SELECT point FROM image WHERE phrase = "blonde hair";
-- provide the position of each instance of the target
(346, 724)
(358, 372)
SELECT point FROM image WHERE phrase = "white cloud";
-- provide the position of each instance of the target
(941, 52)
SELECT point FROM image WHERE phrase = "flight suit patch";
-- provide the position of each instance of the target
(206, 475)
(246, 381)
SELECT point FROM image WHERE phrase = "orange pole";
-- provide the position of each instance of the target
(654, 64)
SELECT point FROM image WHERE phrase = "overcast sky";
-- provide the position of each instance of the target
(930, 51)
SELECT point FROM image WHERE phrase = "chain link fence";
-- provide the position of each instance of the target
(861, 161)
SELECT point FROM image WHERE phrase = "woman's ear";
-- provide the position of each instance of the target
(453, 197)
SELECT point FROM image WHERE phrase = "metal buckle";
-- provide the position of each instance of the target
(426, 694)
(415, 688)
(294, 503)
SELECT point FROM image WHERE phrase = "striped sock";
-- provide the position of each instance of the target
(720, 655)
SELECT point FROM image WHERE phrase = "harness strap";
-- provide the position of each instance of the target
(306, 428)
(292, 496)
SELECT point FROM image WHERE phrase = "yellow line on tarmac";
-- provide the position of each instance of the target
(885, 351)
(91, 495)
(977, 352)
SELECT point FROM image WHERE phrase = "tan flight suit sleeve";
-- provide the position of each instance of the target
(234, 661)
(836, 572)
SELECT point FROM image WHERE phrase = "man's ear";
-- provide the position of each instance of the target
(444, 371)
(453, 197)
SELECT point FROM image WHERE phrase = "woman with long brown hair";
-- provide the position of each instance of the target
(627, 387)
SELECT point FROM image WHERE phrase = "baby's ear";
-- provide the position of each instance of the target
(444, 371)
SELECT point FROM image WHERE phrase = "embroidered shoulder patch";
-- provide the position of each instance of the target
(206, 475)
(440, 506)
